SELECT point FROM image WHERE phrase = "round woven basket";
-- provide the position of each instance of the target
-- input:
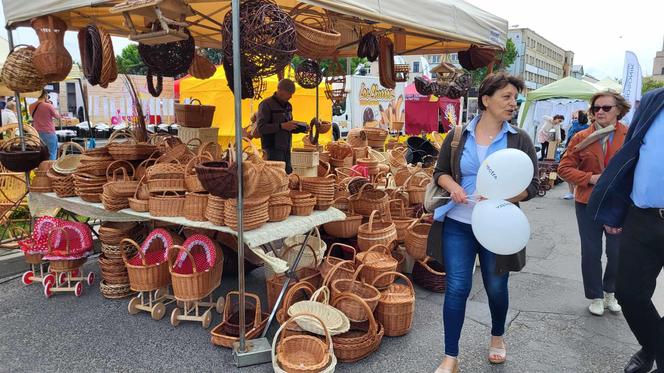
(114, 291)
(19, 73)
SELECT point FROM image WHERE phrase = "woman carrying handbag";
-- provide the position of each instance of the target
(456, 174)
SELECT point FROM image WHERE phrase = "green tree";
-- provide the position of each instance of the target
(507, 58)
(129, 61)
(650, 83)
(213, 54)
(325, 63)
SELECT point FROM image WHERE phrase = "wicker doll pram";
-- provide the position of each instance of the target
(69, 246)
(196, 270)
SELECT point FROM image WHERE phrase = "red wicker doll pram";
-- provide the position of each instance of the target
(34, 248)
(69, 246)
(196, 270)
(148, 272)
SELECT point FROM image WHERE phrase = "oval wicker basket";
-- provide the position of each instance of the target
(19, 73)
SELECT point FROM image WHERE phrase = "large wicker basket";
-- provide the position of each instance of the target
(196, 285)
(145, 277)
(396, 306)
(376, 233)
(194, 115)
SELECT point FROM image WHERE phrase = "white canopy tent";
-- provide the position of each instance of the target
(421, 26)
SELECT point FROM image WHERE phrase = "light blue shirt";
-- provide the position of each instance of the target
(649, 173)
(471, 159)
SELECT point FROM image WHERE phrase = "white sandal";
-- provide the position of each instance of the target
(500, 353)
(454, 369)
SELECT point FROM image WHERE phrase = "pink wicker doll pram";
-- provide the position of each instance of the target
(148, 272)
(69, 246)
(195, 273)
(34, 248)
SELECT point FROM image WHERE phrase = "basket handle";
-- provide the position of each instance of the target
(171, 258)
(373, 326)
(371, 220)
(398, 274)
(64, 147)
(289, 248)
(65, 235)
(374, 248)
(215, 151)
(327, 169)
(300, 285)
(140, 182)
(424, 262)
(198, 159)
(123, 250)
(327, 279)
(357, 271)
(343, 247)
(120, 134)
(257, 303)
(192, 100)
(325, 292)
(276, 339)
(401, 205)
(111, 177)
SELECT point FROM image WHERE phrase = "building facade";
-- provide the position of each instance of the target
(658, 65)
(539, 61)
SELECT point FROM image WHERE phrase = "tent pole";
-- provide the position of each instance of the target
(237, 79)
(86, 116)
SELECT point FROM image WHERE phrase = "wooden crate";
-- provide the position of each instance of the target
(205, 134)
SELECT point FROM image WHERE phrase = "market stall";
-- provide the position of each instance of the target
(424, 113)
(206, 186)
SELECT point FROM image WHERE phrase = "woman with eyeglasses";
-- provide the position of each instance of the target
(588, 153)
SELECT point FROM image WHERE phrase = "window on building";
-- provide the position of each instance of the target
(434, 59)
(416, 66)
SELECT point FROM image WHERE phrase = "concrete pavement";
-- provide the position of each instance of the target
(550, 329)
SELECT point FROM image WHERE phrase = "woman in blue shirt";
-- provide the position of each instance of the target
(484, 135)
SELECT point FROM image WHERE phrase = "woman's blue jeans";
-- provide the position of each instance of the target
(51, 141)
(459, 250)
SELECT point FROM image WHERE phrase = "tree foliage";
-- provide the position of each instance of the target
(129, 61)
(650, 83)
(507, 58)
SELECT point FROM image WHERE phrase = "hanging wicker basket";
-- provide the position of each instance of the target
(19, 73)
(51, 58)
(315, 37)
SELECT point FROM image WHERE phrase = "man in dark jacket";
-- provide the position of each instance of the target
(275, 123)
(628, 200)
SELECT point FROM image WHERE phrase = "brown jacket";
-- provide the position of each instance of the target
(271, 113)
(577, 166)
(520, 140)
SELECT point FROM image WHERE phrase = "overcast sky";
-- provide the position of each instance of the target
(598, 32)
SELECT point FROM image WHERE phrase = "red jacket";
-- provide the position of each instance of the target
(576, 167)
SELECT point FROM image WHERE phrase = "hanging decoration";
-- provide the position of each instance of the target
(335, 83)
(386, 63)
(267, 40)
(308, 74)
(51, 58)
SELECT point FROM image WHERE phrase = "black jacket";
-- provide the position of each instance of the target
(271, 113)
(610, 199)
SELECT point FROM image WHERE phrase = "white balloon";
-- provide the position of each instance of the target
(500, 226)
(504, 174)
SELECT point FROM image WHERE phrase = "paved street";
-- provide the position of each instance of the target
(550, 328)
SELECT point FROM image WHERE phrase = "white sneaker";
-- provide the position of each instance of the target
(568, 196)
(597, 307)
(611, 302)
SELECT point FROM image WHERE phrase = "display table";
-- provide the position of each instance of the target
(269, 232)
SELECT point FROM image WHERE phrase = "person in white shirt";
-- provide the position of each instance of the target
(9, 114)
(550, 131)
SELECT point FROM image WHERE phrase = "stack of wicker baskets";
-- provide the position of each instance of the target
(303, 203)
(255, 213)
(119, 188)
(214, 211)
(115, 283)
(279, 206)
(322, 188)
(63, 185)
(376, 137)
(166, 186)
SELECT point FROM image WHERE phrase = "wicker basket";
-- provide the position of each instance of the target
(51, 58)
(275, 283)
(302, 353)
(416, 239)
(191, 181)
(363, 339)
(292, 296)
(370, 199)
(304, 158)
(114, 291)
(215, 210)
(346, 228)
(333, 268)
(377, 260)
(376, 137)
(315, 37)
(416, 189)
(396, 306)
(376, 233)
(167, 204)
(68, 163)
(194, 115)
(400, 219)
(430, 275)
(227, 333)
(367, 292)
(195, 206)
(19, 73)
(15, 159)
